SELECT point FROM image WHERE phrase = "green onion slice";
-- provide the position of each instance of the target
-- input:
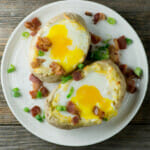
(41, 53)
(12, 68)
(39, 94)
(61, 108)
(129, 41)
(25, 34)
(138, 71)
(65, 79)
(26, 109)
(70, 92)
(111, 20)
(81, 66)
(39, 118)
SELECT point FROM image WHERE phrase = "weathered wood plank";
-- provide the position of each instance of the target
(132, 137)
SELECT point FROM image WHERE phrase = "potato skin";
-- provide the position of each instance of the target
(52, 78)
(65, 125)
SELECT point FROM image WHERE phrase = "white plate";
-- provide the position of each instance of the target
(16, 53)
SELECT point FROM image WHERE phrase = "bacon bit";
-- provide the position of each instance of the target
(95, 39)
(77, 75)
(44, 91)
(131, 87)
(75, 120)
(114, 55)
(57, 69)
(87, 13)
(98, 16)
(33, 94)
(37, 63)
(43, 43)
(116, 44)
(35, 110)
(33, 33)
(71, 108)
(34, 79)
(129, 73)
(98, 112)
(33, 25)
(122, 42)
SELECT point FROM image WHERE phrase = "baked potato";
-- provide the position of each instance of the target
(59, 47)
(88, 101)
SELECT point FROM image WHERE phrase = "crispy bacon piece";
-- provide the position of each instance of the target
(71, 108)
(95, 39)
(35, 110)
(98, 16)
(43, 43)
(98, 112)
(131, 87)
(75, 120)
(34, 79)
(129, 73)
(114, 54)
(37, 63)
(57, 69)
(121, 42)
(77, 75)
(33, 25)
(87, 13)
(44, 91)
(33, 94)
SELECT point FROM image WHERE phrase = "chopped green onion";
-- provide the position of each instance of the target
(105, 119)
(39, 118)
(25, 34)
(15, 89)
(100, 53)
(111, 20)
(138, 71)
(81, 66)
(43, 115)
(26, 109)
(11, 69)
(70, 92)
(106, 41)
(41, 53)
(60, 108)
(39, 94)
(65, 79)
(129, 41)
(16, 92)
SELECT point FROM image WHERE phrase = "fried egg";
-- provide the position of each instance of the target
(103, 86)
(70, 43)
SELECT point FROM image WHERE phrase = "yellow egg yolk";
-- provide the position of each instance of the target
(89, 96)
(60, 52)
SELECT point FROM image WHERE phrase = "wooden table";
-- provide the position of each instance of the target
(135, 136)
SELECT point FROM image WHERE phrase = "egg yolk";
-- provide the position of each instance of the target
(89, 96)
(60, 52)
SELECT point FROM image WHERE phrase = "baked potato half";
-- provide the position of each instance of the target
(59, 47)
(88, 101)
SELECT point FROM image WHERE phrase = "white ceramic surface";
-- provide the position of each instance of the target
(16, 53)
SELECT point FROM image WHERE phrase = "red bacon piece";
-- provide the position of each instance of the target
(77, 75)
(35, 110)
(122, 42)
(33, 25)
(33, 94)
(87, 13)
(34, 79)
(131, 87)
(98, 16)
(95, 39)
(71, 108)
(75, 120)
(44, 91)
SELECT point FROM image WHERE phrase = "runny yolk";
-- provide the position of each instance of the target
(60, 48)
(89, 96)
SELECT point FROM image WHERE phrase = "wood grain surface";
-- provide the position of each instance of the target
(135, 136)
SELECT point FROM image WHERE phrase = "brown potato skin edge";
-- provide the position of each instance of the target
(55, 122)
